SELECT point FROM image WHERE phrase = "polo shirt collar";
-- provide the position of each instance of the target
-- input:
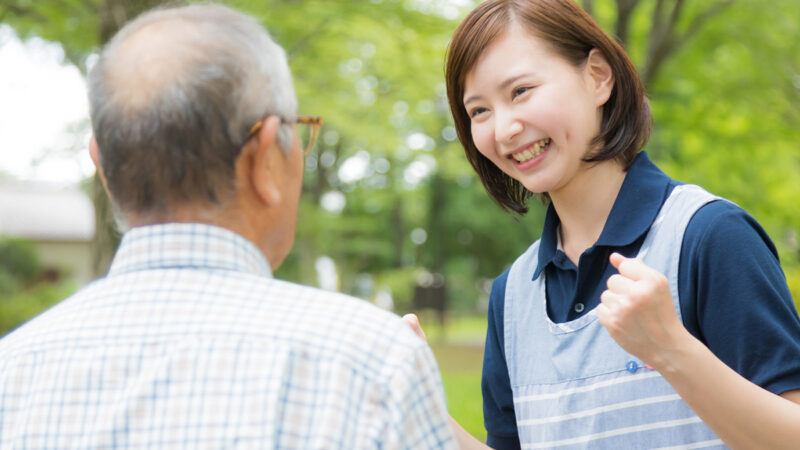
(639, 199)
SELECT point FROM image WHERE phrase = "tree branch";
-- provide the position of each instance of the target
(700, 20)
(301, 43)
(676, 13)
(659, 42)
(90, 5)
(624, 11)
(588, 6)
(658, 18)
(664, 41)
(16, 10)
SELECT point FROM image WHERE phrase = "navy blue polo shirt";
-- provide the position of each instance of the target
(733, 293)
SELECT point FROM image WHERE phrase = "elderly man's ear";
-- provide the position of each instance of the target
(260, 166)
(94, 153)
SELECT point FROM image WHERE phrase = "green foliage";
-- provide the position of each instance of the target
(8, 283)
(19, 264)
(728, 116)
(24, 305)
(73, 23)
(459, 329)
(401, 284)
(377, 80)
(20, 298)
(725, 101)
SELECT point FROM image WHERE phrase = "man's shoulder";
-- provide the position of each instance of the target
(309, 296)
(258, 310)
(311, 321)
(341, 330)
(349, 320)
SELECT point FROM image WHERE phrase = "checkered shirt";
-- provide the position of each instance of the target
(190, 343)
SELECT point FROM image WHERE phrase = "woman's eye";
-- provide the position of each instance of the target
(476, 112)
(519, 91)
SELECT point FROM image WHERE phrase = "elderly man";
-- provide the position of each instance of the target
(189, 342)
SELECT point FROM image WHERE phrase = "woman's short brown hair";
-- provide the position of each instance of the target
(572, 33)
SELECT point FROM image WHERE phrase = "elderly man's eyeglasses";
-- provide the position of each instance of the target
(308, 132)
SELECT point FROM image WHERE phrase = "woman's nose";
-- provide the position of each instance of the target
(506, 127)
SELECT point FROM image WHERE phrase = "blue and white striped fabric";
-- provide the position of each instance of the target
(573, 386)
(189, 343)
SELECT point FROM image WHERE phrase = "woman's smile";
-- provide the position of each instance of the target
(531, 151)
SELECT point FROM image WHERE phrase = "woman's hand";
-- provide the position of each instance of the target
(638, 311)
(413, 321)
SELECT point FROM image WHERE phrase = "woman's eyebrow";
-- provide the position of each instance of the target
(509, 81)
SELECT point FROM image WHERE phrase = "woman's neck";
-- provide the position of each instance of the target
(585, 204)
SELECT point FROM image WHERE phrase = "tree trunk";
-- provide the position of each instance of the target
(665, 40)
(113, 15)
(624, 11)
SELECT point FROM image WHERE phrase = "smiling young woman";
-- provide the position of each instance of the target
(650, 313)
(534, 115)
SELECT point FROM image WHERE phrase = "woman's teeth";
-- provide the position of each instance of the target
(535, 150)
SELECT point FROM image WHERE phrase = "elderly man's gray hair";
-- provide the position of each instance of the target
(172, 98)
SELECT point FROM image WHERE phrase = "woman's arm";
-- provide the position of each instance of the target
(465, 440)
(639, 313)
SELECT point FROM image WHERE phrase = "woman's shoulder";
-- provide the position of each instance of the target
(722, 224)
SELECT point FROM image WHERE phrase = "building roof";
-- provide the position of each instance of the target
(44, 212)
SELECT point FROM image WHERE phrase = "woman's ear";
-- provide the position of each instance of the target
(602, 76)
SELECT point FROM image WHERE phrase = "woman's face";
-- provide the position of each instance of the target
(533, 114)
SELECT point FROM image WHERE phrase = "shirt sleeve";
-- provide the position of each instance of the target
(735, 299)
(498, 401)
(416, 409)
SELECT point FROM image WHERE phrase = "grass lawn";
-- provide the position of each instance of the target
(459, 352)
(461, 375)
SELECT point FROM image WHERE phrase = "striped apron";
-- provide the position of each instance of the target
(573, 386)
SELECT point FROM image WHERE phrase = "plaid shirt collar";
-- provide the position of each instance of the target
(187, 245)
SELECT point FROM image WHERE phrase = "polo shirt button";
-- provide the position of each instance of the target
(579, 308)
(631, 366)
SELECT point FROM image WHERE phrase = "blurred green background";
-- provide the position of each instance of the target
(389, 201)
